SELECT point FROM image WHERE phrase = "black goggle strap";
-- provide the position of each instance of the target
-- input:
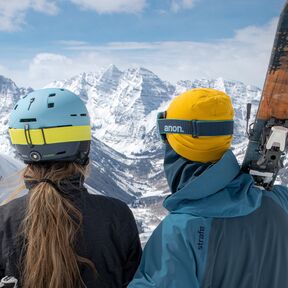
(196, 128)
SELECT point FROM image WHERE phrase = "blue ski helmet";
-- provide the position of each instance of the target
(51, 125)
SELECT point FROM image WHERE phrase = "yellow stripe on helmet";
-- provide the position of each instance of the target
(50, 135)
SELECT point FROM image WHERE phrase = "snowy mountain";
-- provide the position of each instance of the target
(126, 151)
(10, 177)
(9, 95)
(122, 106)
(127, 154)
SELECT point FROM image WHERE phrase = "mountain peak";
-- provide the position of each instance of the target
(123, 107)
(111, 72)
(6, 81)
(10, 91)
(143, 72)
(113, 68)
(123, 104)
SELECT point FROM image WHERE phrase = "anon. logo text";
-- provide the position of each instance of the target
(173, 129)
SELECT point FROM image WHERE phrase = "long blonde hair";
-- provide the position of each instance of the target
(49, 230)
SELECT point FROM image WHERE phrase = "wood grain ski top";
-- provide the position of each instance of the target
(274, 101)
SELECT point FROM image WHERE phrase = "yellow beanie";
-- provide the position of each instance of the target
(201, 104)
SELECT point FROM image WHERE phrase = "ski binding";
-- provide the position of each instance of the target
(272, 150)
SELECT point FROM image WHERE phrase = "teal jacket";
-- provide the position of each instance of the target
(222, 231)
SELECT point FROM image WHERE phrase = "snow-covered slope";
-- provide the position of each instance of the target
(9, 95)
(11, 184)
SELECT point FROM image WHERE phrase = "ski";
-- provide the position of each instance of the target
(268, 134)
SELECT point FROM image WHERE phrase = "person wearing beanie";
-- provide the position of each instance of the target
(222, 231)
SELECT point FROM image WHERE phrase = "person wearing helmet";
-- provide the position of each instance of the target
(222, 231)
(59, 235)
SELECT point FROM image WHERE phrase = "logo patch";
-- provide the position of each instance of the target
(201, 237)
(173, 129)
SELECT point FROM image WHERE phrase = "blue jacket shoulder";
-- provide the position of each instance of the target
(179, 244)
(279, 194)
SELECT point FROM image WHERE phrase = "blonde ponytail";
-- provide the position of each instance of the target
(49, 229)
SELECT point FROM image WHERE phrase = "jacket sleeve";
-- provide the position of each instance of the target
(168, 260)
(131, 248)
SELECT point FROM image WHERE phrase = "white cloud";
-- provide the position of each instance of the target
(177, 5)
(72, 43)
(112, 6)
(244, 58)
(46, 66)
(13, 12)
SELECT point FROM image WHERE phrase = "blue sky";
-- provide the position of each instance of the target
(44, 40)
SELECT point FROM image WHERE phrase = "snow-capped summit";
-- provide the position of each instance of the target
(120, 105)
(10, 94)
(112, 74)
(123, 106)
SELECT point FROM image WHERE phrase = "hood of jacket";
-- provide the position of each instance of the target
(209, 190)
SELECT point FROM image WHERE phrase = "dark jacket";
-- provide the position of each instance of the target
(222, 231)
(109, 238)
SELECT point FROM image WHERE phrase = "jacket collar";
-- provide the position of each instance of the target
(209, 190)
(71, 186)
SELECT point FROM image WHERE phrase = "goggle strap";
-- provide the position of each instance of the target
(196, 128)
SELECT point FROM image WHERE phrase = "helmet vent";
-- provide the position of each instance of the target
(15, 107)
(50, 105)
(52, 95)
(83, 115)
(73, 115)
(28, 120)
